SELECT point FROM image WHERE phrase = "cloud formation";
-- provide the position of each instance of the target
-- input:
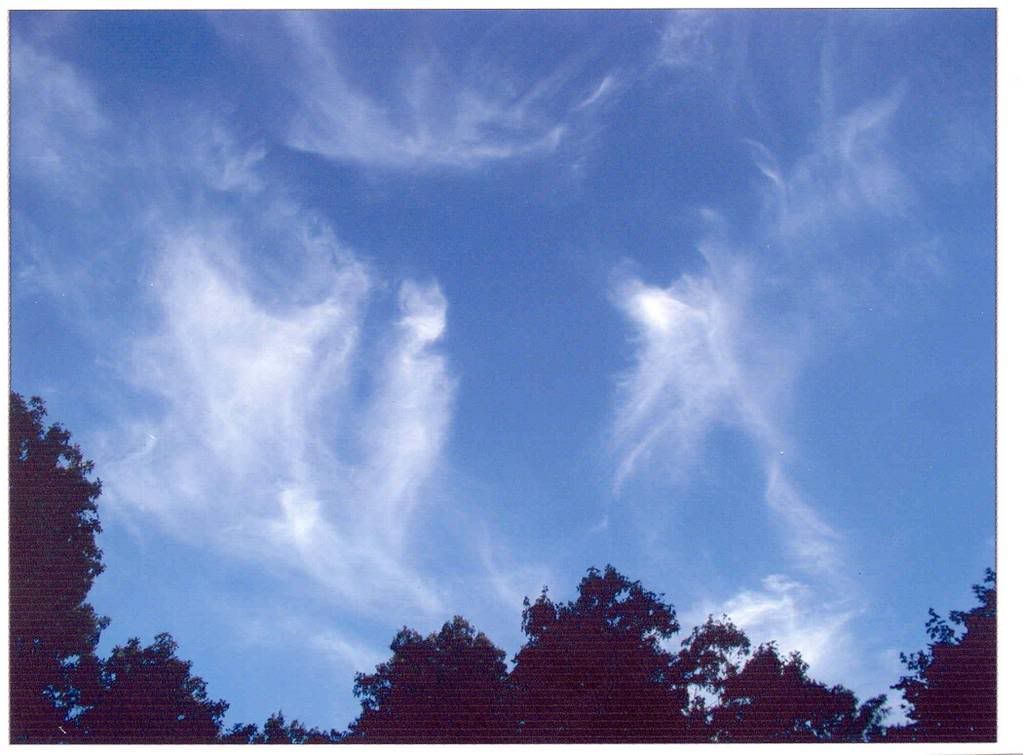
(255, 404)
(435, 116)
(684, 41)
(58, 118)
(703, 361)
(790, 613)
(723, 346)
(292, 426)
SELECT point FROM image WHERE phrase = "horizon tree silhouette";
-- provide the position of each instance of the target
(770, 698)
(276, 732)
(147, 695)
(592, 670)
(53, 562)
(951, 691)
(706, 659)
(450, 687)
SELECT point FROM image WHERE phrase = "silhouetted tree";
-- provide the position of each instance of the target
(771, 699)
(707, 658)
(148, 696)
(53, 562)
(449, 687)
(951, 691)
(276, 732)
(592, 670)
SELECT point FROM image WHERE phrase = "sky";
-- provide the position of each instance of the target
(369, 319)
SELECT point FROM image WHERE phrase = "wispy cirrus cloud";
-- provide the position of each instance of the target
(703, 360)
(724, 345)
(685, 40)
(256, 403)
(280, 419)
(435, 116)
(849, 173)
(57, 122)
(791, 613)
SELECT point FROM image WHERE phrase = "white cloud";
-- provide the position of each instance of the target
(701, 362)
(278, 435)
(685, 373)
(848, 172)
(790, 613)
(507, 577)
(604, 89)
(433, 118)
(685, 42)
(724, 346)
(347, 653)
(259, 626)
(289, 429)
(225, 166)
(407, 420)
(257, 403)
(813, 542)
(55, 116)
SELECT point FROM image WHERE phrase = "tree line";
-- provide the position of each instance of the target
(594, 669)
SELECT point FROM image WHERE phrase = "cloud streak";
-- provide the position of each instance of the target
(244, 454)
(723, 346)
(292, 427)
(434, 116)
(791, 613)
(56, 124)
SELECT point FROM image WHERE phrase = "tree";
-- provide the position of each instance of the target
(592, 670)
(148, 696)
(706, 660)
(276, 732)
(951, 690)
(771, 699)
(53, 562)
(449, 687)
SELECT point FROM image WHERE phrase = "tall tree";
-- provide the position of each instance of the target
(771, 699)
(149, 696)
(276, 732)
(707, 659)
(592, 670)
(951, 691)
(53, 562)
(449, 687)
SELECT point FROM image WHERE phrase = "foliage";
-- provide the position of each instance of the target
(707, 658)
(448, 687)
(951, 690)
(592, 670)
(771, 699)
(148, 696)
(53, 562)
(276, 732)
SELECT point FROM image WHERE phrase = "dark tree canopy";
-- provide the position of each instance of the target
(449, 687)
(147, 695)
(276, 732)
(53, 562)
(771, 699)
(592, 670)
(706, 660)
(951, 690)
(741, 695)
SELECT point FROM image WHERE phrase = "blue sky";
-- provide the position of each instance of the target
(369, 319)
